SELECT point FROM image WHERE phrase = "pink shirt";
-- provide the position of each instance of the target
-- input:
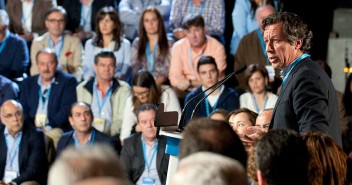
(180, 64)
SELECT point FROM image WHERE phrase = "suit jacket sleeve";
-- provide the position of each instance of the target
(21, 58)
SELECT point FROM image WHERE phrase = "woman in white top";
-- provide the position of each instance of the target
(145, 90)
(258, 98)
(109, 36)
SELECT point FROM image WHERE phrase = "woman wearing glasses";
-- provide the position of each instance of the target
(145, 90)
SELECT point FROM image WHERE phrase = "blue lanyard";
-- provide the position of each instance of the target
(106, 96)
(84, 17)
(90, 142)
(14, 149)
(150, 57)
(46, 98)
(298, 60)
(3, 43)
(145, 155)
(24, 18)
(256, 104)
(51, 45)
(207, 108)
(201, 8)
(263, 46)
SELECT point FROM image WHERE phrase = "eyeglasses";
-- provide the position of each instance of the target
(60, 21)
(141, 94)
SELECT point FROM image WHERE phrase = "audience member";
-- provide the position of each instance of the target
(102, 180)
(145, 90)
(106, 94)
(131, 11)
(219, 114)
(258, 98)
(251, 50)
(14, 57)
(223, 97)
(151, 50)
(68, 49)
(27, 17)
(213, 13)
(204, 134)
(282, 158)
(327, 160)
(348, 98)
(307, 98)
(8, 89)
(46, 98)
(109, 36)
(22, 148)
(83, 134)
(143, 155)
(186, 52)
(77, 164)
(209, 168)
(240, 120)
(81, 16)
(263, 120)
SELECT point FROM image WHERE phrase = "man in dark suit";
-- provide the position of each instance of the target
(143, 155)
(22, 148)
(307, 99)
(46, 98)
(81, 119)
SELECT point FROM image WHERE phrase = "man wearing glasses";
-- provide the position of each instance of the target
(67, 48)
(106, 95)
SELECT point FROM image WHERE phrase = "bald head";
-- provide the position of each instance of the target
(263, 120)
(12, 117)
(262, 12)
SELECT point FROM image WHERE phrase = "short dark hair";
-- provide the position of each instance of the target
(82, 104)
(205, 134)
(104, 54)
(59, 9)
(193, 20)
(252, 116)
(146, 107)
(206, 60)
(47, 51)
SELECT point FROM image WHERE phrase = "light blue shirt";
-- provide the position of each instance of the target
(43, 106)
(89, 141)
(12, 144)
(86, 17)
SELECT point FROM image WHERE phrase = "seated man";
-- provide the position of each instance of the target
(68, 49)
(143, 155)
(14, 57)
(263, 120)
(81, 118)
(8, 89)
(22, 148)
(46, 98)
(223, 97)
(106, 95)
(186, 52)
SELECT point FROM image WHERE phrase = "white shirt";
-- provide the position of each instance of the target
(27, 15)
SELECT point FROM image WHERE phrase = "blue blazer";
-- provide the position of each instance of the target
(31, 154)
(8, 89)
(228, 100)
(62, 96)
(67, 140)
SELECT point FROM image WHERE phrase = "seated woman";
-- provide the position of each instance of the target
(145, 90)
(151, 50)
(258, 98)
(109, 36)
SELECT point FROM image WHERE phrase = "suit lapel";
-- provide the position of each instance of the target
(160, 154)
(37, 8)
(3, 150)
(18, 12)
(140, 154)
(53, 94)
(23, 152)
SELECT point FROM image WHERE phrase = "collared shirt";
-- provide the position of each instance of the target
(12, 144)
(86, 14)
(284, 72)
(43, 106)
(153, 170)
(213, 12)
(213, 99)
(27, 15)
(56, 47)
(101, 105)
(77, 144)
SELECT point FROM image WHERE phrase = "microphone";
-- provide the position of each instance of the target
(216, 85)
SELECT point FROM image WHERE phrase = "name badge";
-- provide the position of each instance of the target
(40, 120)
(9, 176)
(99, 124)
(271, 73)
(148, 181)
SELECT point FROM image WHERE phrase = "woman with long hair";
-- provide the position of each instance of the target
(145, 90)
(109, 36)
(151, 50)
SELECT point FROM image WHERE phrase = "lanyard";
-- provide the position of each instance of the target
(24, 18)
(90, 141)
(263, 46)
(51, 45)
(44, 99)
(106, 96)
(3, 43)
(84, 17)
(297, 61)
(145, 155)
(256, 104)
(201, 8)
(14, 149)
(150, 57)
(207, 103)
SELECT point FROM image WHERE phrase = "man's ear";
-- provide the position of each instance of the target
(261, 178)
(70, 120)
